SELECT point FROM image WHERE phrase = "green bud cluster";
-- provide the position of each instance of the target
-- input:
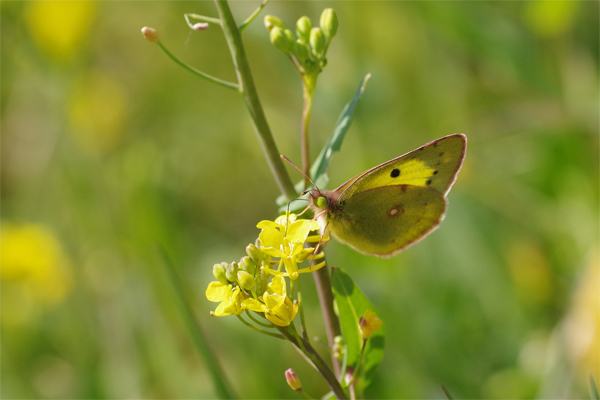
(219, 272)
(247, 274)
(309, 49)
(231, 273)
(246, 280)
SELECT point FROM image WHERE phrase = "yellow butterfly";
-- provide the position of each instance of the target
(395, 204)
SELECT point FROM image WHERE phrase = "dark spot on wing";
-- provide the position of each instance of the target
(441, 154)
(435, 172)
(428, 182)
(395, 173)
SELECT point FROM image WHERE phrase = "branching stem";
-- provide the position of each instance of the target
(248, 90)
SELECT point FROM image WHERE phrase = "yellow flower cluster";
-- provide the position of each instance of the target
(253, 284)
(35, 271)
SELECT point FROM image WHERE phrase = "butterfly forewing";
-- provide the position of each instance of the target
(384, 220)
(434, 165)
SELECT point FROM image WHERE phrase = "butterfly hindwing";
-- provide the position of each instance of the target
(384, 220)
(434, 165)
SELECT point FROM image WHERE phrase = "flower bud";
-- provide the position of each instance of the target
(348, 375)
(232, 272)
(248, 265)
(200, 26)
(254, 253)
(368, 324)
(292, 379)
(338, 347)
(303, 27)
(272, 21)
(219, 273)
(282, 39)
(246, 280)
(150, 34)
(329, 23)
(317, 42)
(301, 50)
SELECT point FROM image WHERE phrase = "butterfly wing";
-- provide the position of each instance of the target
(384, 220)
(434, 165)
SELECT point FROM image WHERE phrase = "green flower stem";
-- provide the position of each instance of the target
(222, 387)
(301, 307)
(257, 329)
(248, 90)
(253, 15)
(303, 393)
(332, 323)
(249, 314)
(307, 93)
(352, 380)
(210, 78)
(200, 18)
(321, 366)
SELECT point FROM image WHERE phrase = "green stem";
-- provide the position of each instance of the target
(222, 387)
(200, 18)
(257, 329)
(352, 380)
(332, 324)
(248, 90)
(304, 138)
(257, 321)
(253, 15)
(317, 362)
(210, 78)
(303, 393)
(301, 307)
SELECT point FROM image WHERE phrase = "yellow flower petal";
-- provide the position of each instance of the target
(277, 285)
(217, 291)
(254, 305)
(369, 323)
(267, 224)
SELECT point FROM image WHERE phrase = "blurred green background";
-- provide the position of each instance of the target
(110, 151)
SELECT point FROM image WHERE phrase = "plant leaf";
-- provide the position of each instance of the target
(318, 171)
(351, 305)
(593, 389)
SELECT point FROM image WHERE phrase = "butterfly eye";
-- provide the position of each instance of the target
(322, 202)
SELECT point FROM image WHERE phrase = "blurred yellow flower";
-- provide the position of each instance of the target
(97, 112)
(530, 270)
(550, 18)
(59, 28)
(34, 267)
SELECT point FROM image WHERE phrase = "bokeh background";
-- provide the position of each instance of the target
(111, 151)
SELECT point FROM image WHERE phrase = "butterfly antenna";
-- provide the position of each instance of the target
(302, 172)
(287, 211)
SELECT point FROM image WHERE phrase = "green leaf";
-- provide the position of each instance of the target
(447, 393)
(593, 389)
(319, 168)
(318, 171)
(351, 304)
